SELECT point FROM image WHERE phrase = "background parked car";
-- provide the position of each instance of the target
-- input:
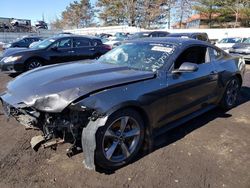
(227, 43)
(149, 34)
(139, 35)
(19, 22)
(23, 42)
(242, 49)
(41, 25)
(34, 43)
(114, 41)
(198, 36)
(52, 50)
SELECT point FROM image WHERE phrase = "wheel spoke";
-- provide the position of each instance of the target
(124, 122)
(132, 133)
(111, 150)
(111, 133)
(121, 139)
(125, 150)
(232, 92)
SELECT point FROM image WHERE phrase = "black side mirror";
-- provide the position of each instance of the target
(186, 67)
(55, 48)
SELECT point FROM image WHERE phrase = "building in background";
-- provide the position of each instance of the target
(202, 21)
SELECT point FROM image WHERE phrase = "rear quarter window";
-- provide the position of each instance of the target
(81, 42)
(96, 42)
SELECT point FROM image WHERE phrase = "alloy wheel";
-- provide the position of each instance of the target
(121, 139)
(34, 64)
(232, 92)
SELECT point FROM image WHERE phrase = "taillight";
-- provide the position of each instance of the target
(107, 47)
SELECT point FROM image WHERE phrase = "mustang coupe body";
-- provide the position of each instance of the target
(112, 106)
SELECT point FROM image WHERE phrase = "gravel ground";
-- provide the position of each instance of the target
(209, 151)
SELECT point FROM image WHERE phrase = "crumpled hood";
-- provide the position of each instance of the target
(53, 88)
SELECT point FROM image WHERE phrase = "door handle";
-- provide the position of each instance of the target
(92, 49)
(71, 51)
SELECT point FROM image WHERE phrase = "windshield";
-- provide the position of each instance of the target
(230, 40)
(247, 40)
(140, 56)
(43, 44)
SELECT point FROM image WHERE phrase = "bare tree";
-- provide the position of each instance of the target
(235, 7)
(183, 9)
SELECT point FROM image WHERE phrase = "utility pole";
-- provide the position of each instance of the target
(169, 14)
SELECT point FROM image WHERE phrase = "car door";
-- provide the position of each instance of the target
(62, 51)
(190, 91)
(83, 48)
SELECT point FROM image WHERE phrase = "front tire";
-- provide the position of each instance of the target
(33, 63)
(119, 141)
(230, 97)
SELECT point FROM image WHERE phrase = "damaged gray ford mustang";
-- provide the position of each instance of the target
(112, 106)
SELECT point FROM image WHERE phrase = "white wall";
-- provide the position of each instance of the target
(212, 33)
(109, 30)
(218, 33)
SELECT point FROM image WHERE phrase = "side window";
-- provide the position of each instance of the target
(96, 42)
(63, 43)
(32, 40)
(215, 54)
(23, 40)
(196, 54)
(204, 37)
(81, 42)
(154, 35)
(199, 37)
(162, 35)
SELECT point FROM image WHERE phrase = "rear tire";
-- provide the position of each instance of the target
(119, 141)
(231, 94)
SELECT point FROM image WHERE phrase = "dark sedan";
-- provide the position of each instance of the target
(53, 50)
(197, 36)
(242, 49)
(148, 34)
(22, 43)
(112, 107)
(140, 35)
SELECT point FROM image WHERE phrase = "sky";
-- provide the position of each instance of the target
(33, 9)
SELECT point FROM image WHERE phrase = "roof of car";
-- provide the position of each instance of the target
(159, 32)
(186, 34)
(72, 35)
(30, 37)
(174, 40)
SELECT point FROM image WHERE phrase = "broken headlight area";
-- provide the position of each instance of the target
(57, 128)
(25, 116)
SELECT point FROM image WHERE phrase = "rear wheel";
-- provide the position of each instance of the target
(120, 140)
(33, 63)
(231, 94)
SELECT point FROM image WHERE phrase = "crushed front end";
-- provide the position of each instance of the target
(56, 128)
